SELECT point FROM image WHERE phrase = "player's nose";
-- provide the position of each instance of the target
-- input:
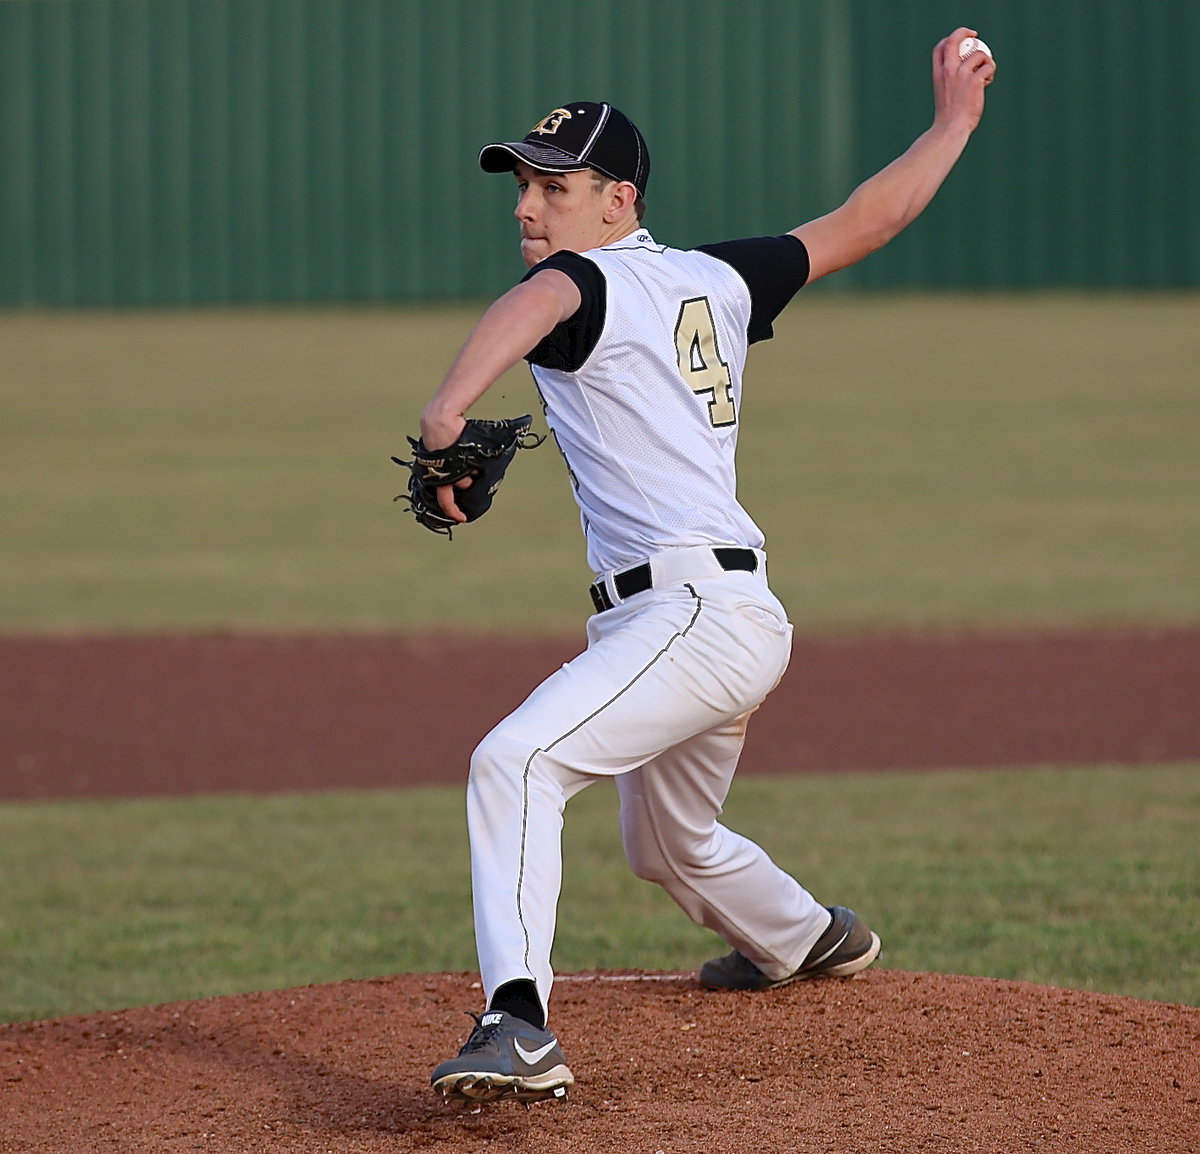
(526, 209)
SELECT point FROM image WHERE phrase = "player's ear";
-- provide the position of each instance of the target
(620, 197)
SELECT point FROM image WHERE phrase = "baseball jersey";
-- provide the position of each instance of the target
(642, 387)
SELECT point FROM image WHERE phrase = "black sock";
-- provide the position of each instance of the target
(520, 998)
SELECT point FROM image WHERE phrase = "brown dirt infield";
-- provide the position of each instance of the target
(889, 1062)
(136, 716)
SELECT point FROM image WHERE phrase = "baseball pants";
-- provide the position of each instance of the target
(659, 701)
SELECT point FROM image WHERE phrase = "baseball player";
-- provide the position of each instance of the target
(637, 350)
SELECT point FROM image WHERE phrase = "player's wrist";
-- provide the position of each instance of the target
(441, 427)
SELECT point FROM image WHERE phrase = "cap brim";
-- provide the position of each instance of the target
(544, 157)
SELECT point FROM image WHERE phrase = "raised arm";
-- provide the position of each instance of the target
(893, 198)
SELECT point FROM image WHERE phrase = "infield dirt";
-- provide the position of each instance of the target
(144, 715)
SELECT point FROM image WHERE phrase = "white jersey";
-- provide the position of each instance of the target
(648, 423)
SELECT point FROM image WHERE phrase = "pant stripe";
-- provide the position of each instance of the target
(575, 729)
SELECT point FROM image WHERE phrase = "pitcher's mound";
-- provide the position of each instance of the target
(886, 1062)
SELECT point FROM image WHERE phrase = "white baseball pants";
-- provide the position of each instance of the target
(659, 700)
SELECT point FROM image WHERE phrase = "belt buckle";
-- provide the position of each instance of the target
(600, 596)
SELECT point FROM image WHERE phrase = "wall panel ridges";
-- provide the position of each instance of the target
(193, 151)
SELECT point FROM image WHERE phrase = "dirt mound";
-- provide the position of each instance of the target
(889, 1061)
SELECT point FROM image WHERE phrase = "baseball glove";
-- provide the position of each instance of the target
(483, 452)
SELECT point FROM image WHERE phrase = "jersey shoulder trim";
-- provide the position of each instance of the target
(569, 344)
(774, 269)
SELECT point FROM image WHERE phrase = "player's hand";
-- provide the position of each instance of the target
(958, 84)
(439, 432)
(446, 502)
(456, 482)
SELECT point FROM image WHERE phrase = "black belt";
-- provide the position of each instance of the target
(638, 579)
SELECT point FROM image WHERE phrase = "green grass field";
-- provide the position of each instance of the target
(915, 462)
(1085, 878)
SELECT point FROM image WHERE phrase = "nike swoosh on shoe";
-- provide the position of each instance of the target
(832, 949)
(533, 1057)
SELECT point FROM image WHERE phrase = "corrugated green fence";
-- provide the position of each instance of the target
(183, 151)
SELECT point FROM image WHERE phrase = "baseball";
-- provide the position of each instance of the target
(972, 44)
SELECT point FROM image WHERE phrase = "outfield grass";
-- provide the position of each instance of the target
(1081, 878)
(914, 461)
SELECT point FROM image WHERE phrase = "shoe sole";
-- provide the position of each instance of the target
(486, 1086)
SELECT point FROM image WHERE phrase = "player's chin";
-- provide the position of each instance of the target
(533, 249)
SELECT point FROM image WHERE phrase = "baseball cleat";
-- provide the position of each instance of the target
(504, 1058)
(845, 948)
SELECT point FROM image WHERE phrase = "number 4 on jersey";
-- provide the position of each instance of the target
(700, 360)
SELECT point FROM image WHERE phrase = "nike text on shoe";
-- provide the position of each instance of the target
(504, 1057)
(845, 948)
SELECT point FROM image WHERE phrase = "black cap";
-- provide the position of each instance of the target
(577, 136)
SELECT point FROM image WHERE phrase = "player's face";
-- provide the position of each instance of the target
(558, 210)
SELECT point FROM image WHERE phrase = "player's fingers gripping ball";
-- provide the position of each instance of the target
(482, 454)
(973, 44)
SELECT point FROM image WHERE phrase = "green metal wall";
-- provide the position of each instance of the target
(190, 151)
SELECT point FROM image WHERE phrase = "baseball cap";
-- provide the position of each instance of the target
(579, 135)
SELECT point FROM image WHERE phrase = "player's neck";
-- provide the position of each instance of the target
(626, 226)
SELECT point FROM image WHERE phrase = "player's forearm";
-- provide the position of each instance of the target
(512, 325)
(893, 198)
(884, 205)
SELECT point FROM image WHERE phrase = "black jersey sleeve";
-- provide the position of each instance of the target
(571, 342)
(774, 268)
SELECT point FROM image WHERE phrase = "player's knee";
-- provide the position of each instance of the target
(643, 851)
(646, 862)
(653, 857)
(498, 763)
